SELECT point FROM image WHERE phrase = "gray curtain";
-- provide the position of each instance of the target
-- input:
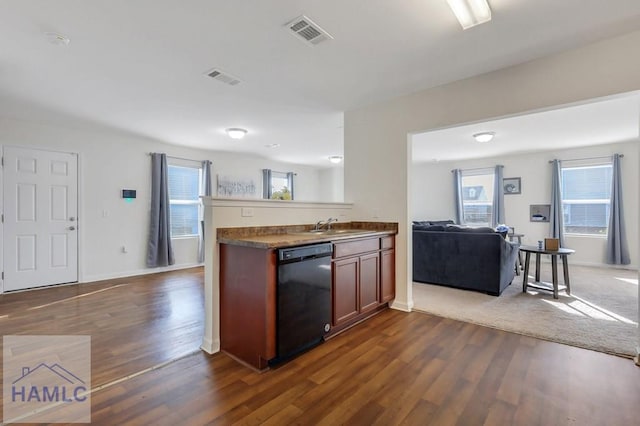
(159, 251)
(556, 221)
(498, 197)
(457, 187)
(290, 182)
(206, 191)
(266, 184)
(617, 249)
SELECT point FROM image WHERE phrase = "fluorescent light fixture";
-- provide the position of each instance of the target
(470, 12)
(484, 137)
(236, 133)
(335, 159)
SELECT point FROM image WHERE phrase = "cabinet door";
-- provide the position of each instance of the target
(387, 275)
(369, 281)
(345, 290)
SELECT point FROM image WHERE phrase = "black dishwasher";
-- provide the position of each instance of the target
(303, 298)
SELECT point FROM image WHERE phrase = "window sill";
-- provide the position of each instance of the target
(185, 237)
(595, 236)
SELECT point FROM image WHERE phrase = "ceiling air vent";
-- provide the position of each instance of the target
(308, 31)
(223, 77)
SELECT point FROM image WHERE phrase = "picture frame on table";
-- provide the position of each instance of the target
(511, 186)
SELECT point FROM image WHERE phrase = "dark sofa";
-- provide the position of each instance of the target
(477, 259)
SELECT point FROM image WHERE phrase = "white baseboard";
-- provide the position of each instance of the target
(210, 346)
(137, 272)
(401, 306)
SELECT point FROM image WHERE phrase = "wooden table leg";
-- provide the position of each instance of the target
(525, 278)
(538, 267)
(565, 270)
(554, 273)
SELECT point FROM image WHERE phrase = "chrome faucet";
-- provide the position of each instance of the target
(320, 224)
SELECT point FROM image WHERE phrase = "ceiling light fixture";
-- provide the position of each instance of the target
(272, 145)
(335, 159)
(236, 133)
(484, 137)
(470, 12)
(57, 39)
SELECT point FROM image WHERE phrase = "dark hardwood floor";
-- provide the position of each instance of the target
(395, 368)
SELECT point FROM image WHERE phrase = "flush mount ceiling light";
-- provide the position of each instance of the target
(335, 159)
(236, 133)
(484, 137)
(272, 145)
(470, 12)
(57, 39)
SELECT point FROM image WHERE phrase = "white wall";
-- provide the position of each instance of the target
(376, 136)
(331, 182)
(111, 161)
(432, 194)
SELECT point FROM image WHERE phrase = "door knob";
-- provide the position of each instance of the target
(71, 219)
(72, 228)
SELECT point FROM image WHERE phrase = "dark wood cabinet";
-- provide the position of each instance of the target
(369, 282)
(387, 275)
(248, 304)
(363, 282)
(363, 279)
(346, 275)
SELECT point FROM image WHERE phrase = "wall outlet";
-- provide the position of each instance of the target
(246, 212)
(375, 213)
(123, 249)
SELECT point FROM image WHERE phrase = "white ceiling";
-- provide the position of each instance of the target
(139, 65)
(600, 122)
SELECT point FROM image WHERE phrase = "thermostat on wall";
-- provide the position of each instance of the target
(129, 193)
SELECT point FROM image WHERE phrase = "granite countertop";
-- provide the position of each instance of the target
(294, 235)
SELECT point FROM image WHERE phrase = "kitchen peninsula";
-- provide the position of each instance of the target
(255, 317)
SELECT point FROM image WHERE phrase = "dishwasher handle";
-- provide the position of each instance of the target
(301, 253)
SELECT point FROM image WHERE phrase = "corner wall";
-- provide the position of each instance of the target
(377, 149)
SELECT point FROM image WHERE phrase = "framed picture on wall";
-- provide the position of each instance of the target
(511, 186)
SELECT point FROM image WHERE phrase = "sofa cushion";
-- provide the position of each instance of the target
(421, 223)
(428, 227)
(470, 229)
(442, 222)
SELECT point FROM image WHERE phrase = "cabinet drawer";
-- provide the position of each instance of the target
(387, 243)
(351, 248)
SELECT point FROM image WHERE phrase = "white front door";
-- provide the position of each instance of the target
(40, 243)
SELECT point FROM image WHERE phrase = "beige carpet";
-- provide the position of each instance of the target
(601, 314)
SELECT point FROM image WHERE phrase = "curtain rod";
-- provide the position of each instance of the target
(181, 158)
(478, 168)
(589, 158)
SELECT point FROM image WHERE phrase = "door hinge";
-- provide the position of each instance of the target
(2, 217)
(3, 275)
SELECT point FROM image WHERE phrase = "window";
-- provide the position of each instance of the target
(586, 194)
(184, 201)
(477, 196)
(277, 185)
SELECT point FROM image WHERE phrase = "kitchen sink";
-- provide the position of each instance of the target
(333, 232)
